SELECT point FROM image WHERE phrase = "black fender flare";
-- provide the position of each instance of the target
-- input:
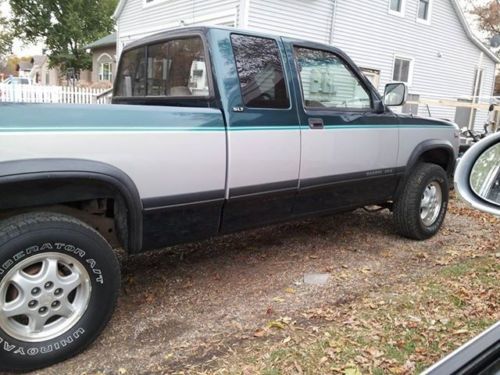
(36, 182)
(432, 144)
(419, 150)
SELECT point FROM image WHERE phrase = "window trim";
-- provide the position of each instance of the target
(184, 35)
(401, 13)
(283, 64)
(410, 69)
(429, 14)
(361, 80)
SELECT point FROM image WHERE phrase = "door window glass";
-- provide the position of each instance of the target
(328, 82)
(260, 72)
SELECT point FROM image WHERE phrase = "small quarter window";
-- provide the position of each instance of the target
(260, 72)
(328, 82)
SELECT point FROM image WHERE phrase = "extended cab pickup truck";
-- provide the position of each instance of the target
(210, 131)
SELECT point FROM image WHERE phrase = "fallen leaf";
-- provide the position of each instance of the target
(260, 332)
(276, 324)
(352, 371)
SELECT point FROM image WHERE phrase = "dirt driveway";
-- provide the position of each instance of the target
(182, 307)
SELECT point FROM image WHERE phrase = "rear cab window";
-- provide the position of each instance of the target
(260, 72)
(328, 82)
(172, 68)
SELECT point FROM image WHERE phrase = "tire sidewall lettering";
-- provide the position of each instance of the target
(35, 350)
(58, 247)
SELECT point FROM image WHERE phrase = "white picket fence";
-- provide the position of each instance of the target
(51, 94)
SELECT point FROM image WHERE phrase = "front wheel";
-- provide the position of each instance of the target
(420, 209)
(59, 281)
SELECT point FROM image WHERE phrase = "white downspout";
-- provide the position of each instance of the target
(476, 89)
(243, 14)
(334, 17)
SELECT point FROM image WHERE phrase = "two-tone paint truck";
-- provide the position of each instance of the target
(210, 131)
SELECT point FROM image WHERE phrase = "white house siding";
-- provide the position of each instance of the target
(362, 28)
(366, 31)
(137, 20)
(306, 19)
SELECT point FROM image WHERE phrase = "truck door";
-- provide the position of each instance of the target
(263, 133)
(349, 152)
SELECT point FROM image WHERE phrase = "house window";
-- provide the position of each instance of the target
(397, 7)
(327, 82)
(147, 3)
(105, 72)
(373, 76)
(424, 11)
(260, 71)
(402, 70)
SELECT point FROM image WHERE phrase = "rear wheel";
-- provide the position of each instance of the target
(59, 281)
(421, 207)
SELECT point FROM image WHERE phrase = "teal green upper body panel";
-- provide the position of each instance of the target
(75, 117)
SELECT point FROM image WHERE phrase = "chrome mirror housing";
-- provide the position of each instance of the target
(477, 177)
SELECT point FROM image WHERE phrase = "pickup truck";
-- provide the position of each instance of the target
(210, 131)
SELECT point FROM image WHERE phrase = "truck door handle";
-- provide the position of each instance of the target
(316, 123)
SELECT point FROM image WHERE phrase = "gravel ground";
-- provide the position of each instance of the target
(183, 306)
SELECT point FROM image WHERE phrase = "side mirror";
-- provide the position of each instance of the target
(395, 94)
(477, 177)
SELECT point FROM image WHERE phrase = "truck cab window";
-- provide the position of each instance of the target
(174, 68)
(328, 82)
(132, 75)
(260, 72)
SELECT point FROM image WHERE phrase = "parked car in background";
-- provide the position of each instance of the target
(17, 81)
(10, 83)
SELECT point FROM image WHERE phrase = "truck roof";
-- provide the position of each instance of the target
(205, 29)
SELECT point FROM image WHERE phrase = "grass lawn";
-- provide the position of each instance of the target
(398, 330)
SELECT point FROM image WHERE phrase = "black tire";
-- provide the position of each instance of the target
(406, 211)
(42, 235)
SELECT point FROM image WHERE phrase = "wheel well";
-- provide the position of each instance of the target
(439, 156)
(107, 207)
(106, 215)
